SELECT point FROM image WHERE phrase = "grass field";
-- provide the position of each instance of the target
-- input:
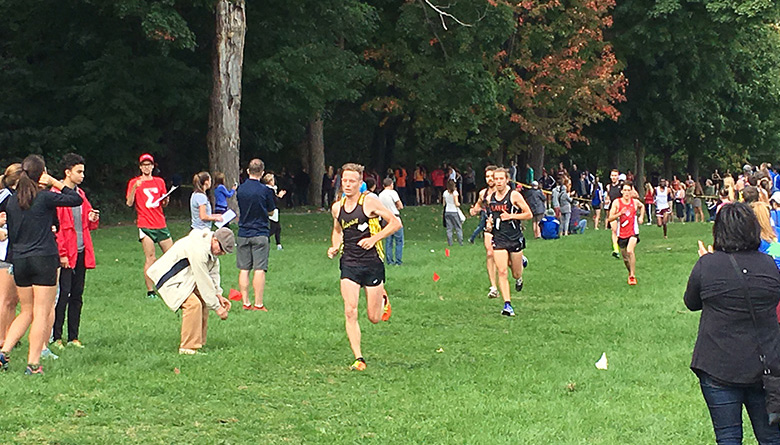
(447, 368)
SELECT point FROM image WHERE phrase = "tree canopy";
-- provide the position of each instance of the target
(692, 81)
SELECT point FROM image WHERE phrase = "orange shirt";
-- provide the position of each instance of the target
(400, 177)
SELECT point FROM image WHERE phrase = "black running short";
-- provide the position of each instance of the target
(623, 242)
(509, 245)
(368, 275)
(36, 270)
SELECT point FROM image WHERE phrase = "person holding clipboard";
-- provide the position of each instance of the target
(148, 195)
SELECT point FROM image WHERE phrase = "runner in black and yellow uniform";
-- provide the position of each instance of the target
(356, 233)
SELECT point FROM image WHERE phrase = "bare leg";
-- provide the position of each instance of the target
(43, 306)
(8, 301)
(375, 303)
(22, 321)
(596, 218)
(243, 286)
(516, 263)
(149, 258)
(350, 292)
(502, 264)
(631, 257)
(258, 283)
(490, 262)
(166, 244)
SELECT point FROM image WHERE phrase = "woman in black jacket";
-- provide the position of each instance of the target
(31, 213)
(726, 355)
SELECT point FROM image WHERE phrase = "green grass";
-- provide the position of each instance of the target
(282, 377)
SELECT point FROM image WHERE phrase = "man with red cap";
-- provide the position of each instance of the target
(145, 193)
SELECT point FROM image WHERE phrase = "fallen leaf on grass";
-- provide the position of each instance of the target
(176, 371)
(79, 413)
(230, 420)
(441, 298)
(571, 386)
(242, 387)
(440, 350)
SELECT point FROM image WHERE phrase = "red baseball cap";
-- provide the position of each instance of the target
(146, 157)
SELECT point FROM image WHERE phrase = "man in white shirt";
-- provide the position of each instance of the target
(390, 199)
(187, 278)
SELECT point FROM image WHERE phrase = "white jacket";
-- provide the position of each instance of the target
(188, 265)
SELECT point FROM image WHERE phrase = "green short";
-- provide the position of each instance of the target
(156, 235)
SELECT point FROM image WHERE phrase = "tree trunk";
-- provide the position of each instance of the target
(379, 147)
(316, 157)
(667, 165)
(613, 156)
(536, 160)
(693, 164)
(223, 137)
(639, 150)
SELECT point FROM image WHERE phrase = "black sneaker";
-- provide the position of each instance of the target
(615, 254)
(3, 362)
(519, 284)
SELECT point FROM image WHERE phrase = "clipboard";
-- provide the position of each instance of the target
(160, 199)
(228, 216)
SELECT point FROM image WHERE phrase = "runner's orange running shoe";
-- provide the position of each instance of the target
(632, 281)
(388, 310)
(359, 365)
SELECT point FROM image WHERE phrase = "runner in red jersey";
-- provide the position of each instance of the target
(624, 211)
(144, 192)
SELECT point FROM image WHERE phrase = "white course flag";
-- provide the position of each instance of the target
(602, 363)
(228, 216)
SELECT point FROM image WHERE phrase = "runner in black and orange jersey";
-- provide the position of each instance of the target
(506, 208)
(479, 208)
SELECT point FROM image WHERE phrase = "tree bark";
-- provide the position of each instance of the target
(639, 150)
(693, 164)
(536, 160)
(613, 156)
(316, 157)
(667, 165)
(223, 137)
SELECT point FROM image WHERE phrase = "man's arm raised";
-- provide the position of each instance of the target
(373, 208)
(477, 207)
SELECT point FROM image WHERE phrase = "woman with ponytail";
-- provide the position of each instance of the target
(31, 213)
(200, 207)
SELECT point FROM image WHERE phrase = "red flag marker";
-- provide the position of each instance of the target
(447, 252)
(436, 277)
(234, 295)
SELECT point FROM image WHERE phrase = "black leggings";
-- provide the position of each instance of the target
(276, 232)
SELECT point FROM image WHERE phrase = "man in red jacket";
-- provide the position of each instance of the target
(76, 252)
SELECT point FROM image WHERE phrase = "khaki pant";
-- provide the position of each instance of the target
(194, 323)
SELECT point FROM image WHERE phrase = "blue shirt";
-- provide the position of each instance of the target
(221, 195)
(550, 227)
(255, 202)
(196, 200)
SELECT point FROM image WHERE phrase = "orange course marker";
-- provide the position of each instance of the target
(234, 295)
(436, 277)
